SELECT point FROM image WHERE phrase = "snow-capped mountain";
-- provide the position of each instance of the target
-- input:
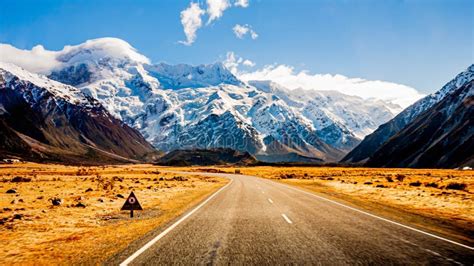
(375, 140)
(340, 120)
(186, 76)
(42, 118)
(206, 106)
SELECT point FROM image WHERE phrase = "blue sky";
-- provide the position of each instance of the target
(422, 44)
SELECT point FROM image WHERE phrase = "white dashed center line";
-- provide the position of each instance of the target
(270, 200)
(286, 218)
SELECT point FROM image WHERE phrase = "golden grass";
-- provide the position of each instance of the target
(67, 234)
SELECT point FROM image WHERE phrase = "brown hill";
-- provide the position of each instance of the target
(218, 156)
(441, 137)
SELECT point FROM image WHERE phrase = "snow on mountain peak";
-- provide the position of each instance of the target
(40, 60)
(10, 72)
(101, 48)
(410, 113)
(188, 76)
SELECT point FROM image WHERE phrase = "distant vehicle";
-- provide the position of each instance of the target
(11, 160)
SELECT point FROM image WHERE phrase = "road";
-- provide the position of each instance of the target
(258, 221)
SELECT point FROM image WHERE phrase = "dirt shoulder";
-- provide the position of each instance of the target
(437, 200)
(87, 226)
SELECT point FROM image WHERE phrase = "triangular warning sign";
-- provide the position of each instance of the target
(131, 204)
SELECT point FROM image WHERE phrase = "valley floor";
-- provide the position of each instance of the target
(88, 226)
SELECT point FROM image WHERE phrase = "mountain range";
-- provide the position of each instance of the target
(206, 106)
(102, 99)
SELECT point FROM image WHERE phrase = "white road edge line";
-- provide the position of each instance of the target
(162, 234)
(378, 217)
(286, 218)
(270, 200)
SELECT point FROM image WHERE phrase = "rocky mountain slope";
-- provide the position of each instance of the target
(440, 137)
(218, 156)
(369, 146)
(206, 106)
(44, 119)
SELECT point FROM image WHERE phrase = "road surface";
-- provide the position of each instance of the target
(258, 221)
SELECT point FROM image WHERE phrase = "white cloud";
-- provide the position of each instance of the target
(216, 8)
(241, 30)
(248, 63)
(36, 60)
(40, 60)
(253, 35)
(191, 17)
(288, 77)
(191, 20)
(233, 61)
(242, 3)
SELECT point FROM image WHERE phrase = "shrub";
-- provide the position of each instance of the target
(400, 177)
(179, 178)
(389, 179)
(287, 176)
(432, 184)
(456, 186)
(105, 184)
(117, 178)
(56, 201)
(82, 172)
(415, 184)
(18, 179)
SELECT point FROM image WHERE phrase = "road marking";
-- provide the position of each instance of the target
(377, 217)
(429, 251)
(162, 234)
(270, 200)
(286, 218)
(263, 192)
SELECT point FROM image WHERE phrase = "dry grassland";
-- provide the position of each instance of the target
(87, 226)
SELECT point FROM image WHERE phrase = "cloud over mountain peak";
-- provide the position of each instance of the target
(40, 60)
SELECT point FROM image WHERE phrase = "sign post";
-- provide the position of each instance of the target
(131, 204)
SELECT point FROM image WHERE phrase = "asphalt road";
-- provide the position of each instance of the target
(258, 221)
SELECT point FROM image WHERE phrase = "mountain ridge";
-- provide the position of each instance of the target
(384, 132)
(51, 121)
(441, 136)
